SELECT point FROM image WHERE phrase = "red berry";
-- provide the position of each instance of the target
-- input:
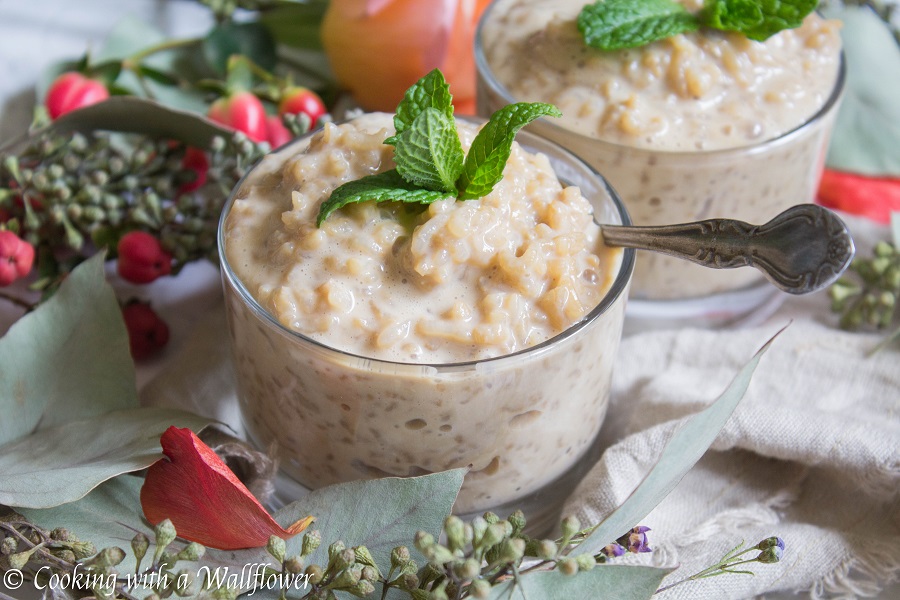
(300, 100)
(142, 258)
(71, 91)
(279, 135)
(147, 333)
(241, 111)
(16, 257)
(194, 160)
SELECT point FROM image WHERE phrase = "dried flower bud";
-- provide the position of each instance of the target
(311, 541)
(491, 518)
(293, 565)
(467, 569)
(586, 562)
(455, 529)
(335, 549)
(369, 573)
(423, 540)
(316, 574)
(567, 566)
(511, 550)
(61, 534)
(570, 526)
(479, 526)
(494, 535)
(106, 558)
(165, 534)
(770, 555)
(83, 549)
(771, 542)
(364, 557)
(399, 557)
(362, 589)
(547, 549)
(277, 548)
(192, 552)
(139, 545)
(18, 560)
(65, 554)
(480, 588)
(8, 546)
(518, 522)
(347, 578)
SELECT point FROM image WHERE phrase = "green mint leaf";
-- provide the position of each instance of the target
(617, 24)
(778, 15)
(428, 153)
(382, 187)
(431, 91)
(491, 148)
(732, 15)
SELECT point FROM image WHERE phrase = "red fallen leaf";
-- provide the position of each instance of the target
(204, 499)
(872, 197)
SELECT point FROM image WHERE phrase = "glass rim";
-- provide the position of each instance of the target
(529, 141)
(484, 72)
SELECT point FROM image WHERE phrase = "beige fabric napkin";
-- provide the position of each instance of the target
(812, 454)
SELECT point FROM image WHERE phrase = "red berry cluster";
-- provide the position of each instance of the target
(142, 259)
(244, 111)
(71, 91)
(16, 257)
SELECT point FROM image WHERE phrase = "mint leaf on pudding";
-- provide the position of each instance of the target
(618, 24)
(491, 148)
(430, 162)
(732, 15)
(431, 91)
(778, 15)
(383, 187)
(428, 153)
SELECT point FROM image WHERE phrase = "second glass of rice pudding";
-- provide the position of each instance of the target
(700, 125)
(397, 340)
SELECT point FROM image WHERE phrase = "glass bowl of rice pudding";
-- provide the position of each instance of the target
(402, 340)
(700, 125)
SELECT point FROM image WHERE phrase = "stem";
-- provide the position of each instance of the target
(135, 59)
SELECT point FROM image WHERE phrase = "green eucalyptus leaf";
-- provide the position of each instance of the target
(866, 136)
(110, 515)
(689, 442)
(296, 25)
(136, 115)
(379, 514)
(61, 464)
(618, 581)
(252, 40)
(67, 360)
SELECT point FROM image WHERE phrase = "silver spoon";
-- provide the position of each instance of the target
(802, 250)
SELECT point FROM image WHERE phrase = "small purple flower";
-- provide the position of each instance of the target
(770, 555)
(771, 542)
(613, 550)
(636, 539)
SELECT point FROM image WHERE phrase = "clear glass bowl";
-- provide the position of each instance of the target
(520, 421)
(752, 183)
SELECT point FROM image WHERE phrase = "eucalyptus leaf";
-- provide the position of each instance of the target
(866, 136)
(689, 442)
(61, 464)
(67, 360)
(135, 115)
(379, 514)
(109, 516)
(618, 581)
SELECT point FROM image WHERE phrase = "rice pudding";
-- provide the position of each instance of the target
(402, 340)
(700, 125)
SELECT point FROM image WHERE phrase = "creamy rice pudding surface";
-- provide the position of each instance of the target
(455, 282)
(691, 127)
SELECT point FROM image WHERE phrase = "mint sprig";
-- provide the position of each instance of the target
(491, 148)
(383, 187)
(620, 24)
(616, 24)
(430, 162)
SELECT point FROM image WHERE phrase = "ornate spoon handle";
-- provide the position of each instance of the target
(802, 250)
